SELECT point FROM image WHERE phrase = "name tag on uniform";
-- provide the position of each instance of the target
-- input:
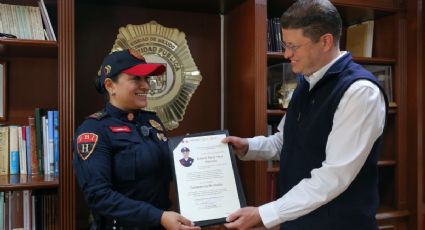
(120, 129)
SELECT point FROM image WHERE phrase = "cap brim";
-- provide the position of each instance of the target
(144, 70)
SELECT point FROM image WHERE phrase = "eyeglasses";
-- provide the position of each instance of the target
(292, 48)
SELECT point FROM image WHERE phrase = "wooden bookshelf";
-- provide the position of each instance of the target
(23, 182)
(33, 81)
(28, 48)
(60, 68)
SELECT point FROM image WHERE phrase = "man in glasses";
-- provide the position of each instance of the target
(329, 139)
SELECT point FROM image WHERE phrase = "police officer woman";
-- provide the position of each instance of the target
(122, 159)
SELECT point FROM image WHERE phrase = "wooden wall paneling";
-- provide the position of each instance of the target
(414, 102)
(66, 87)
(400, 86)
(239, 77)
(377, 4)
(26, 78)
(421, 113)
(260, 63)
(384, 41)
(246, 86)
(416, 68)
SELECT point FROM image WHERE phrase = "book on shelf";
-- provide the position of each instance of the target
(27, 209)
(39, 138)
(22, 150)
(47, 140)
(274, 35)
(50, 141)
(56, 140)
(26, 22)
(46, 20)
(20, 153)
(28, 148)
(7, 210)
(17, 210)
(360, 39)
(13, 150)
(33, 146)
(281, 83)
(43, 210)
(384, 75)
(2, 209)
(4, 150)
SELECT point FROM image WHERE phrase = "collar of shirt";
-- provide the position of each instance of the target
(122, 115)
(316, 76)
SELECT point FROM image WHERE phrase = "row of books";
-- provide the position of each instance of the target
(32, 149)
(274, 35)
(26, 22)
(28, 210)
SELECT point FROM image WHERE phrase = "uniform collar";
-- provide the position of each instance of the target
(121, 114)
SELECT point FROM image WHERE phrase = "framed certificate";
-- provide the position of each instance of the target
(206, 177)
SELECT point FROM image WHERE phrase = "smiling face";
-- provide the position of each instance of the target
(128, 92)
(186, 154)
(306, 56)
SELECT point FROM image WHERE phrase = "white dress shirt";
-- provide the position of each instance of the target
(358, 121)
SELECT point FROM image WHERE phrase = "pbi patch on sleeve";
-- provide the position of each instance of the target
(86, 143)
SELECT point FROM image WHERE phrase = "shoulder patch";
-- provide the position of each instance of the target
(86, 143)
(98, 115)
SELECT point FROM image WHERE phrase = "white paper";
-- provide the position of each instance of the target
(206, 183)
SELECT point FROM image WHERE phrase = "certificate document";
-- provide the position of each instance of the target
(206, 178)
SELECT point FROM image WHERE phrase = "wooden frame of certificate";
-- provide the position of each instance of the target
(206, 177)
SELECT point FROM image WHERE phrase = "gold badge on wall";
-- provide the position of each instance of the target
(169, 93)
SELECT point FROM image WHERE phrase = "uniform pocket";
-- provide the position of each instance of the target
(124, 166)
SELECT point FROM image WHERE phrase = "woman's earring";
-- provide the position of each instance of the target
(113, 93)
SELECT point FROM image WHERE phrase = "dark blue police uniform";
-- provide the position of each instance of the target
(122, 163)
(186, 163)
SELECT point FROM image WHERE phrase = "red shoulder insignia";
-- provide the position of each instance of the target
(86, 143)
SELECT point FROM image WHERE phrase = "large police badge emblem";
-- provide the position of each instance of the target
(169, 93)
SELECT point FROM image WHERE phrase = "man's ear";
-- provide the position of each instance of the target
(327, 41)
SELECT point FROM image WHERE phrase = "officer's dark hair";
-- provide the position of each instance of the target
(100, 86)
(315, 17)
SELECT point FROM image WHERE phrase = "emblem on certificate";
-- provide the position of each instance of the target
(169, 93)
(206, 177)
